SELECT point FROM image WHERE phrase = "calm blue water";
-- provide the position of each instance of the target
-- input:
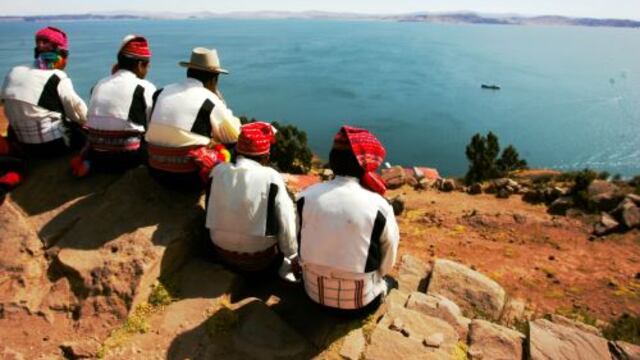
(570, 97)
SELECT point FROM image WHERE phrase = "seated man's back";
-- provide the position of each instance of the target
(250, 215)
(348, 233)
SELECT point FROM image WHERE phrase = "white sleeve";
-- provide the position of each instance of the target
(225, 126)
(74, 107)
(286, 215)
(389, 241)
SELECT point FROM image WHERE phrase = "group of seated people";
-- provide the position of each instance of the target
(339, 238)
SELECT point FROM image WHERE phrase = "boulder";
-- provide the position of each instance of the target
(514, 312)
(606, 225)
(353, 345)
(409, 341)
(413, 274)
(398, 204)
(495, 342)
(628, 214)
(534, 196)
(23, 268)
(622, 350)
(603, 195)
(561, 320)
(137, 231)
(548, 340)
(503, 193)
(475, 189)
(394, 177)
(633, 197)
(80, 349)
(560, 205)
(262, 334)
(474, 292)
(448, 185)
(442, 308)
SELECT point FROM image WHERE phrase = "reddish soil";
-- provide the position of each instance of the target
(546, 260)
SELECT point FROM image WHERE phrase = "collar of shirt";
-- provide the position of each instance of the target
(125, 73)
(242, 161)
(341, 179)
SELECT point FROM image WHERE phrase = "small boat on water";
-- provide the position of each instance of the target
(490, 86)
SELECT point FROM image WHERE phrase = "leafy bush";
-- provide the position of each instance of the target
(482, 153)
(626, 328)
(510, 160)
(582, 180)
(291, 152)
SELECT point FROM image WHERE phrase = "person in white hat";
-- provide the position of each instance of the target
(118, 113)
(190, 124)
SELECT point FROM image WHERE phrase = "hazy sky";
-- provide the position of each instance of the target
(629, 9)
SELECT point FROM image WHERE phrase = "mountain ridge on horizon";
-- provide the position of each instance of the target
(459, 17)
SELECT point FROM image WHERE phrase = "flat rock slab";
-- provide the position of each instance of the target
(136, 231)
(442, 308)
(475, 293)
(401, 334)
(413, 274)
(353, 345)
(491, 341)
(548, 340)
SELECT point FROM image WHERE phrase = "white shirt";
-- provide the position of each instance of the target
(113, 98)
(337, 225)
(176, 111)
(34, 124)
(238, 208)
(337, 220)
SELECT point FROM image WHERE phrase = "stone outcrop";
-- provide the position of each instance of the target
(495, 342)
(413, 274)
(474, 292)
(548, 340)
(353, 345)
(622, 350)
(119, 247)
(402, 332)
(394, 177)
(442, 308)
(628, 214)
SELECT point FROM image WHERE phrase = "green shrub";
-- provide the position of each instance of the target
(582, 180)
(626, 328)
(291, 152)
(510, 161)
(482, 153)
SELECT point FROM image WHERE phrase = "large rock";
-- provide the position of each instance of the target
(628, 214)
(622, 350)
(136, 232)
(413, 274)
(408, 334)
(353, 345)
(259, 334)
(548, 341)
(474, 292)
(394, 177)
(606, 225)
(23, 269)
(560, 205)
(603, 195)
(495, 342)
(442, 308)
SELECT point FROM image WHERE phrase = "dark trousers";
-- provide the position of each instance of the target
(189, 181)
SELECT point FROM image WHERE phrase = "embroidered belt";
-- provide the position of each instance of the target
(114, 141)
(171, 159)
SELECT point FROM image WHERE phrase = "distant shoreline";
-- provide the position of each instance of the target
(443, 18)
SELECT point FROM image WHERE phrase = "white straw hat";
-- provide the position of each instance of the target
(204, 59)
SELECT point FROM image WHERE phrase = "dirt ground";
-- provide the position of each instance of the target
(549, 261)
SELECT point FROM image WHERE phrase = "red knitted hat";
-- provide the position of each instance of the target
(368, 151)
(135, 46)
(255, 139)
(55, 36)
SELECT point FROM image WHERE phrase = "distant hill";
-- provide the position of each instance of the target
(453, 17)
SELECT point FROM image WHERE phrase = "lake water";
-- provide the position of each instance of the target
(570, 96)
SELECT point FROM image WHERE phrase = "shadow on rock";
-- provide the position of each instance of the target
(49, 185)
